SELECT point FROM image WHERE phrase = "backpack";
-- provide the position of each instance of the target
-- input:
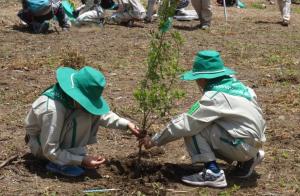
(39, 7)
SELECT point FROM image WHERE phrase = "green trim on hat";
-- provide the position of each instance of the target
(85, 87)
(207, 64)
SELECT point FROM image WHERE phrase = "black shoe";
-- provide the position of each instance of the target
(285, 23)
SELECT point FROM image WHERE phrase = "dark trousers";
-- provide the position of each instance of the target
(28, 17)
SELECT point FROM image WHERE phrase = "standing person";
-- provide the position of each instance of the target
(204, 11)
(37, 13)
(285, 10)
(65, 119)
(225, 123)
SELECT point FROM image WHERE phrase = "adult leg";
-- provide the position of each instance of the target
(197, 4)
(206, 12)
(285, 10)
(150, 10)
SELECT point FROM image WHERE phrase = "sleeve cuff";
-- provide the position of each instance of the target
(78, 160)
(123, 123)
(155, 139)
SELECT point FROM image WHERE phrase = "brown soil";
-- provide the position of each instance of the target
(265, 55)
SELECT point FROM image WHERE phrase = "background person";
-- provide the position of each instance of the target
(36, 14)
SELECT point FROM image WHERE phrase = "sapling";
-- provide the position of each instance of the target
(157, 91)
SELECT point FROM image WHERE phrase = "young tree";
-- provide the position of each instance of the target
(157, 91)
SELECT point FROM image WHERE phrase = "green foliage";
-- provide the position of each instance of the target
(296, 9)
(157, 187)
(203, 192)
(256, 5)
(285, 154)
(166, 12)
(230, 191)
(73, 59)
(156, 92)
(139, 193)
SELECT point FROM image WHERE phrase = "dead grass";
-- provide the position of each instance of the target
(265, 55)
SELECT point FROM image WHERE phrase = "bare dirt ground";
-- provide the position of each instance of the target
(265, 55)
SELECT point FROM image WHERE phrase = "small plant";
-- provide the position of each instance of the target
(203, 192)
(157, 187)
(139, 193)
(296, 9)
(72, 59)
(285, 154)
(288, 75)
(156, 92)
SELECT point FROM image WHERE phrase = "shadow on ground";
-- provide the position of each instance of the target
(38, 167)
(26, 29)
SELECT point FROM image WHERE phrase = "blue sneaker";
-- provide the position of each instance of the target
(66, 170)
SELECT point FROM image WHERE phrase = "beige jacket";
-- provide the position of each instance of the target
(60, 134)
(238, 116)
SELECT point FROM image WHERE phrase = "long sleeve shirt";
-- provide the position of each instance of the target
(240, 117)
(62, 133)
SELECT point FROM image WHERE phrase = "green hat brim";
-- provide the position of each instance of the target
(190, 75)
(64, 78)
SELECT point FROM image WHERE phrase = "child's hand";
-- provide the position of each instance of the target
(147, 142)
(92, 162)
(134, 129)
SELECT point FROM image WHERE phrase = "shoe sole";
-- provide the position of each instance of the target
(210, 184)
(257, 161)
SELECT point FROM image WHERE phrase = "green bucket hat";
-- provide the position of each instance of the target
(207, 64)
(84, 86)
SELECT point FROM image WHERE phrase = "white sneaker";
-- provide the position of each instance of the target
(206, 178)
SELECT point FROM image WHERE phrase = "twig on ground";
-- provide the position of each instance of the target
(179, 191)
(56, 30)
(174, 191)
(4, 139)
(99, 190)
(7, 161)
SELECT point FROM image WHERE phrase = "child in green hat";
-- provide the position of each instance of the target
(226, 123)
(65, 119)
